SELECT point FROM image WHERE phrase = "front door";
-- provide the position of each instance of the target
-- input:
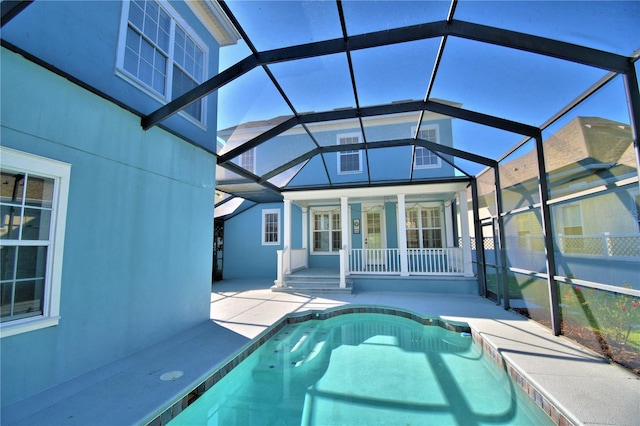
(374, 238)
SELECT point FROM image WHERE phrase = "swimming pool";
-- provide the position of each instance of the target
(365, 368)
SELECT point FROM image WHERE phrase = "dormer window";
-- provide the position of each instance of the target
(160, 53)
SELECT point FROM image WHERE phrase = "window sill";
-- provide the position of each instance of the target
(26, 325)
(431, 166)
(325, 253)
(126, 76)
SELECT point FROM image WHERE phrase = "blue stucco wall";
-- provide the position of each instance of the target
(137, 260)
(244, 254)
(81, 38)
(382, 164)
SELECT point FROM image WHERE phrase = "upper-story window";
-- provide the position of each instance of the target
(33, 204)
(247, 160)
(424, 158)
(349, 161)
(160, 53)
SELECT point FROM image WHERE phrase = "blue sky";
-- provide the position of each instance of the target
(516, 85)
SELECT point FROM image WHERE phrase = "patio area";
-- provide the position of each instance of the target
(580, 383)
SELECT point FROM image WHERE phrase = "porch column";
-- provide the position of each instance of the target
(286, 249)
(466, 238)
(305, 235)
(344, 233)
(305, 224)
(402, 236)
(448, 223)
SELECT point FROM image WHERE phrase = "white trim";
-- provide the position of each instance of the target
(383, 191)
(165, 97)
(253, 152)
(28, 324)
(61, 173)
(264, 213)
(340, 153)
(367, 208)
(215, 20)
(332, 211)
(438, 164)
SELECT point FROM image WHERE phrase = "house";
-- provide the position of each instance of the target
(401, 229)
(594, 198)
(106, 228)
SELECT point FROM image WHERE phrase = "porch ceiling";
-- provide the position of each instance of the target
(491, 75)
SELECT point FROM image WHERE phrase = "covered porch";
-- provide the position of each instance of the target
(389, 232)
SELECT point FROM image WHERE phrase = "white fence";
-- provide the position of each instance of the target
(435, 261)
(605, 244)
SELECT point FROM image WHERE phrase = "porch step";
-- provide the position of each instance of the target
(313, 281)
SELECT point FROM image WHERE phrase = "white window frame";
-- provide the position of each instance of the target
(265, 212)
(339, 154)
(420, 227)
(242, 160)
(165, 97)
(438, 163)
(331, 211)
(60, 172)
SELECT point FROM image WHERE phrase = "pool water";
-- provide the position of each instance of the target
(365, 369)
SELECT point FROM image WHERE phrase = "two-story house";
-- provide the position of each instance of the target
(353, 232)
(106, 228)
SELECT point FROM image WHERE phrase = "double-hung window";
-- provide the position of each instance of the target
(327, 235)
(424, 158)
(270, 227)
(247, 160)
(160, 53)
(33, 199)
(424, 227)
(349, 161)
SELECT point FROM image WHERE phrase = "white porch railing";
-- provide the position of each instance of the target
(435, 261)
(441, 261)
(374, 261)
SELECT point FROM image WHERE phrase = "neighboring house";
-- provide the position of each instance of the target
(594, 198)
(394, 230)
(106, 228)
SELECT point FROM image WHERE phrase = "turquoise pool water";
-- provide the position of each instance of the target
(365, 369)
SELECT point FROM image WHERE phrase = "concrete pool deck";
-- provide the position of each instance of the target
(587, 388)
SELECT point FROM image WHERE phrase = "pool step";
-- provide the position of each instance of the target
(306, 354)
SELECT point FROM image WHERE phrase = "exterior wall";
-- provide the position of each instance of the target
(137, 260)
(244, 254)
(81, 39)
(385, 163)
(243, 245)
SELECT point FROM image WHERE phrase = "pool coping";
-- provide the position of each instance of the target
(554, 411)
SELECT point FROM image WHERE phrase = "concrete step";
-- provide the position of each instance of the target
(314, 289)
(313, 283)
